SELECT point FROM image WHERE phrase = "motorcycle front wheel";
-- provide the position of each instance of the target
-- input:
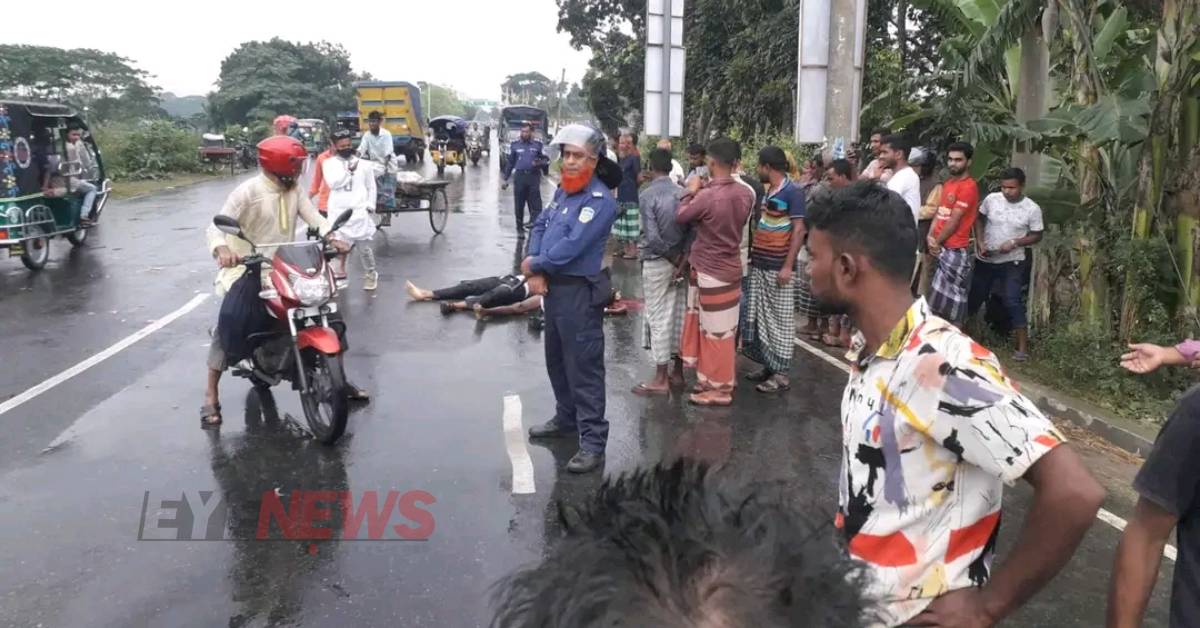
(324, 399)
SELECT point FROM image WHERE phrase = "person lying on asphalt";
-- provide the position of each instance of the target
(739, 555)
(932, 431)
(487, 292)
(266, 208)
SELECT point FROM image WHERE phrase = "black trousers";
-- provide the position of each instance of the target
(527, 190)
(486, 291)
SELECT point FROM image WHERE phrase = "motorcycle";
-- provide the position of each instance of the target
(474, 147)
(245, 155)
(303, 347)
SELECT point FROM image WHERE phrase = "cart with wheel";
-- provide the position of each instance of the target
(38, 200)
(215, 155)
(419, 196)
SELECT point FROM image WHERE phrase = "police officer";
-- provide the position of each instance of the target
(564, 262)
(526, 160)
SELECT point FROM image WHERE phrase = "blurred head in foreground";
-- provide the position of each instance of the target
(688, 547)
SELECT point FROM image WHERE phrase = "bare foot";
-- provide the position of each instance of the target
(416, 293)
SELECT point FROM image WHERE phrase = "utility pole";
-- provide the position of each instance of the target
(561, 87)
(829, 86)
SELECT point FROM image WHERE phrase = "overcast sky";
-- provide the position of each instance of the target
(471, 45)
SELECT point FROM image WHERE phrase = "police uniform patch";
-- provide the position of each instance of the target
(586, 215)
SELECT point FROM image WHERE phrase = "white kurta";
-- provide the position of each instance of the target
(351, 186)
(267, 213)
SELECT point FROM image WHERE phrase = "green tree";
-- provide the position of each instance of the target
(441, 101)
(107, 84)
(262, 79)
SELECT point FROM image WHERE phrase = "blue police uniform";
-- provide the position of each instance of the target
(525, 161)
(567, 245)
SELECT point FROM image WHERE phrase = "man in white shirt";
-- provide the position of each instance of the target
(351, 184)
(893, 151)
(376, 143)
(1008, 222)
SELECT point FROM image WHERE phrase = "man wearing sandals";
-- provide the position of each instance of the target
(770, 330)
(266, 207)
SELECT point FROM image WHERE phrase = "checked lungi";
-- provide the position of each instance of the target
(951, 284)
(662, 317)
(628, 226)
(769, 332)
(709, 342)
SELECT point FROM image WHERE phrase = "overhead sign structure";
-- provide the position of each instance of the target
(665, 61)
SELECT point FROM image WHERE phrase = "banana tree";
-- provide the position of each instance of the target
(1174, 72)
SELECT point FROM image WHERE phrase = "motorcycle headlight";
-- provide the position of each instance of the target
(310, 292)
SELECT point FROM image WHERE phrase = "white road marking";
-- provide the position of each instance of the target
(102, 356)
(514, 441)
(1103, 515)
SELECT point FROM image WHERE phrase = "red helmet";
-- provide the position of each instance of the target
(282, 156)
(282, 123)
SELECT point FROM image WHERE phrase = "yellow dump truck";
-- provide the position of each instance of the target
(400, 104)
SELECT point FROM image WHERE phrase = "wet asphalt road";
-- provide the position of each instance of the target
(125, 431)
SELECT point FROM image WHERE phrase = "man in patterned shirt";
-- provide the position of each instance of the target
(931, 431)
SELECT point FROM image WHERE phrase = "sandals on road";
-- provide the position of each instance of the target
(773, 385)
(646, 391)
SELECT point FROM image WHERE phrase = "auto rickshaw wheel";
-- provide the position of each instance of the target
(36, 251)
(78, 237)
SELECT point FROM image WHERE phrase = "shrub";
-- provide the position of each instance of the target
(147, 149)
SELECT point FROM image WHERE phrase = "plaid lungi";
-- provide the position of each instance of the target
(662, 318)
(804, 302)
(385, 191)
(951, 284)
(628, 226)
(769, 334)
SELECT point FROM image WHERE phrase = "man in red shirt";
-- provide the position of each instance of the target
(950, 237)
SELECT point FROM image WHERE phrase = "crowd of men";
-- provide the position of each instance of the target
(933, 427)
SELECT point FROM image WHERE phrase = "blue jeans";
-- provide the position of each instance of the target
(89, 197)
(1011, 276)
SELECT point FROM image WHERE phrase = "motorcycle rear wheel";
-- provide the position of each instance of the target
(324, 400)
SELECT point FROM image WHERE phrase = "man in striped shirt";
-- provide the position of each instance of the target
(770, 329)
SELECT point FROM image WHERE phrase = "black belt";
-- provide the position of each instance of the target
(526, 171)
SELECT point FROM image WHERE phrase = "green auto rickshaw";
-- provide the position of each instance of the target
(43, 182)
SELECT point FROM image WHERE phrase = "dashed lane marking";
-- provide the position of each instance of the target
(514, 441)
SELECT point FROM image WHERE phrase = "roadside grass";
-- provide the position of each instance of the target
(129, 189)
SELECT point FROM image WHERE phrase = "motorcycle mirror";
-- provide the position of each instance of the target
(341, 220)
(227, 224)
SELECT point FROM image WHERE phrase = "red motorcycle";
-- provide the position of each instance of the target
(304, 348)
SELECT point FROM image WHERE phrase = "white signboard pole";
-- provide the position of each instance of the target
(665, 68)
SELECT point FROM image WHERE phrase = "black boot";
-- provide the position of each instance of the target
(551, 429)
(585, 462)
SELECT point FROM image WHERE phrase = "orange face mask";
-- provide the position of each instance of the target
(573, 183)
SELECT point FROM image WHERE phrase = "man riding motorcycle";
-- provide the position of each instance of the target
(266, 207)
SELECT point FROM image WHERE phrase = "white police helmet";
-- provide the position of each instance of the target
(591, 139)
